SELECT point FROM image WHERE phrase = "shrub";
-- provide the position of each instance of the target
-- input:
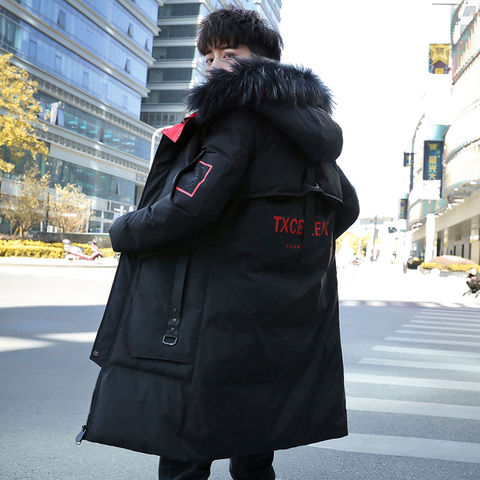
(431, 265)
(457, 267)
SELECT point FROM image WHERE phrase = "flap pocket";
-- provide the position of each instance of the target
(157, 328)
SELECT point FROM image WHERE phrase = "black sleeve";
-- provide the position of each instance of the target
(347, 213)
(200, 191)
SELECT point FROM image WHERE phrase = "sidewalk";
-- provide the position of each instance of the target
(108, 262)
(384, 282)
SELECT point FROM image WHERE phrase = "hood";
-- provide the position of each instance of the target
(254, 81)
(291, 98)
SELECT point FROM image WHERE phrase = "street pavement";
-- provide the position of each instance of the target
(412, 361)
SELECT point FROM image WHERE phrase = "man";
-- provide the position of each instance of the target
(220, 338)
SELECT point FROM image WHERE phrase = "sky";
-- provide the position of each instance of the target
(373, 55)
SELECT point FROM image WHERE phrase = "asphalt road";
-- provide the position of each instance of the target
(412, 360)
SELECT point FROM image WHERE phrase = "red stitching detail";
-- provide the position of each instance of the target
(198, 185)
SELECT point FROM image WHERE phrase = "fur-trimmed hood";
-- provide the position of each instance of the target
(293, 99)
(254, 81)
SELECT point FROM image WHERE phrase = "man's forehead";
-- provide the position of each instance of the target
(221, 46)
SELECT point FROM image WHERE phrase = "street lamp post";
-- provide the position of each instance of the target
(152, 145)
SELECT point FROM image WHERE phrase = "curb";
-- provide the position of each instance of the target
(53, 262)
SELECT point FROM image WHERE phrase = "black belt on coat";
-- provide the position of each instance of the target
(170, 336)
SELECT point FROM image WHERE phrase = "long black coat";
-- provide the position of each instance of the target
(220, 337)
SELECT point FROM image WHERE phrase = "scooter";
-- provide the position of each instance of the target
(473, 283)
(72, 252)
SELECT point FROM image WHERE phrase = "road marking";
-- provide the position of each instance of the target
(445, 322)
(77, 337)
(439, 334)
(403, 407)
(412, 382)
(10, 344)
(457, 315)
(397, 446)
(449, 305)
(411, 364)
(426, 351)
(435, 342)
(448, 318)
(438, 327)
(374, 303)
(349, 303)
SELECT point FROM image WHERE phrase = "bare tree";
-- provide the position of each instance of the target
(70, 210)
(27, 209)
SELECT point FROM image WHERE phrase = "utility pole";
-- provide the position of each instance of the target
(47, 211)
(374, 238)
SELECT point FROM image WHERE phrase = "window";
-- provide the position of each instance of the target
(178, 31)
(130, 30)
(166, 96)
(61, 19)
(169, 75)
(173, 53)
(125, 102)
(32, 49)
(179, 10)
(58, 62)
(127, 65)
(161, 118)
(85, 80)
(147, 45)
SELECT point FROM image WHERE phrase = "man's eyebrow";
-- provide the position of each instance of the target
(221, 47)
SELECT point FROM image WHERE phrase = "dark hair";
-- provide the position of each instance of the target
(234, 26)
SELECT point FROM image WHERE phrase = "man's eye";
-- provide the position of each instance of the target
(208, 61)
(229, 55)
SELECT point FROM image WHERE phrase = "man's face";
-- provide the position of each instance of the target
(223, 56)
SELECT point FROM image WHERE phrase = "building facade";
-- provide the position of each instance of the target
(178, 65)
(90, 60)
(450, 225)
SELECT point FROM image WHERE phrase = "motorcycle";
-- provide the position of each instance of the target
(73, 252)
(473, 283)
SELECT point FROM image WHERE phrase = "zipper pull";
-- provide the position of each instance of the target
(80, 435)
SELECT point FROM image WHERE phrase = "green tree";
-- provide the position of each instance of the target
(19, 112)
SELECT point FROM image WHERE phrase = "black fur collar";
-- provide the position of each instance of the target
(254, 81)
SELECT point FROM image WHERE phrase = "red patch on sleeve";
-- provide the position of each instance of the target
(200, 180)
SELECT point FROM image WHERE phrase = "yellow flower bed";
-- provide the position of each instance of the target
(452, 267)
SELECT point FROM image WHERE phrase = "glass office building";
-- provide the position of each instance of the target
(178, 65)
(90, 60)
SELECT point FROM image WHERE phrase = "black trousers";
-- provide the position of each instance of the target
(252, 467)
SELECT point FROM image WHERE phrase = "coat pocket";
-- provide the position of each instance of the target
(157, 326)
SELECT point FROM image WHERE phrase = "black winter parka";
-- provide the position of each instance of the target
(220, 336)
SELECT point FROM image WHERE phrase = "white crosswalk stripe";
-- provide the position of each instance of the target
(414, 357)
(406, 447)
(439, 334)
(428, 365)
(433, 342)
(10, 344)
(388, 380)
(443, 327)
(426, 351)
(445, 322)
